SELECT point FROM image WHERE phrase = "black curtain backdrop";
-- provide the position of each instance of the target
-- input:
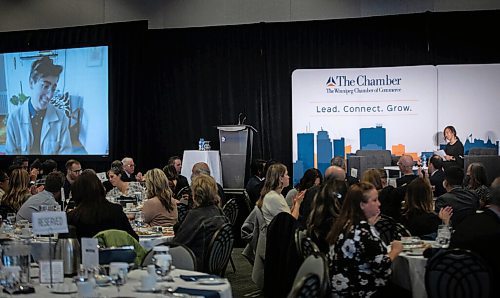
(170, 87)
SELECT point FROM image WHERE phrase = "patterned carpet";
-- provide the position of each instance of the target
(241, 280)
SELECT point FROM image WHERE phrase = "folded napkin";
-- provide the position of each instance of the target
(197, 292)
(197, 277)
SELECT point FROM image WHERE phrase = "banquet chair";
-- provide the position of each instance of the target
(305, 245)
(457, 273)
(182, 211)
(390, 230)
(182, 256)
(231, 210)
(219, 250)
(118, 238)
(311, 279)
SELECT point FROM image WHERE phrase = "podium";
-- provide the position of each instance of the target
(236, 153)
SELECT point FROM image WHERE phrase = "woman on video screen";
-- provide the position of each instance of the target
(38, 127)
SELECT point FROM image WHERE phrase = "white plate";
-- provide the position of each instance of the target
(151, 235)
(141, 290)
(61, 290)
(211, 281)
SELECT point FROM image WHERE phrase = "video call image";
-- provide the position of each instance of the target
(54, 102)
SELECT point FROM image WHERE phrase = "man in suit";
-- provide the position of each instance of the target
(405, 164)
(464, 202)
(129, 168)
(182, 181)
(480, 232)
(436, 175)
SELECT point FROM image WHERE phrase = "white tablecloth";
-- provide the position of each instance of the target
(133, 282)
(408, 272)
(212, 158)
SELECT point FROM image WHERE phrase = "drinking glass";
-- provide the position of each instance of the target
(443, 236)
(139, 219)
(118, 279)
(11, 218)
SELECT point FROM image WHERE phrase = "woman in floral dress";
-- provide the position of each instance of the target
(360, 264)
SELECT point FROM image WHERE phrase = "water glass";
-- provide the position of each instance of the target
(11, 218)
(443, 236)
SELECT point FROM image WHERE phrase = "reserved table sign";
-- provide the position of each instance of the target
(49, 222)
(90, 252)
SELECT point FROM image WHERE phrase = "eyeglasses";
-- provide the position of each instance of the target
(132, 165)
(77, 171)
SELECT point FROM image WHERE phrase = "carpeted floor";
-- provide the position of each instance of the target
(241, 280)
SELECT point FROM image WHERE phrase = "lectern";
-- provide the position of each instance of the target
(236, 153)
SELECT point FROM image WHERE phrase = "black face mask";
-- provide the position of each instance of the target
(466, 180)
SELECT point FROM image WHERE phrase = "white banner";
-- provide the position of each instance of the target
(338, 111)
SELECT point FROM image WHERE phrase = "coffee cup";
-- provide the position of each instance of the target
(151, 270)
(148, 282)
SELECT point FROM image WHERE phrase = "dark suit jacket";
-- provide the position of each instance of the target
(464, 202)
(126, 178)
(481, 234)
(437, 181)
(405, 180)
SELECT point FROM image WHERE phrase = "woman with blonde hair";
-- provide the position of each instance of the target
(372, 176)
(160, 207)
(271, 203)
(19, 190)
(203, 220)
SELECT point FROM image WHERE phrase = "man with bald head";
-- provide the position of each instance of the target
(405, 164)
(339, 161)
(332, 172)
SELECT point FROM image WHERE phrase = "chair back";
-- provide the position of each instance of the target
(219, 250)
(182, 256)
(230, 210)
(182, 211)
(390, 230)
(312, 277)
(124, 254)
(305, 245)
(117, 238)
(457, 273)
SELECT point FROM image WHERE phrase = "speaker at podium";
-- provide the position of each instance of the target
(236, 153)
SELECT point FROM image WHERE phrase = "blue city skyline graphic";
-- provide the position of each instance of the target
(371, 138)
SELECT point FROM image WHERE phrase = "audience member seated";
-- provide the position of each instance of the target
(73, 170)
(120, 187)
(464, 202)
(129, 169)
(255, 183)
(436, 175)
(19, 191)
(93, 212)
(271, 203)
(176, 163)
(48, 197)
(160, 207)
(332, 172)
(339, 161)
(202, 168)
(418, 210)
(405, 164)
(312, 177)
(325, 210)
(477, 181)
(361, 265)
(173, 177)
(480, 232)
(203, 220)
(4, 183)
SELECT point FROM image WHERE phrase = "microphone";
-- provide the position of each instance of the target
(239, 118)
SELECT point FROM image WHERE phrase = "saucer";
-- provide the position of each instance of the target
(152, 290)
(211, 281)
